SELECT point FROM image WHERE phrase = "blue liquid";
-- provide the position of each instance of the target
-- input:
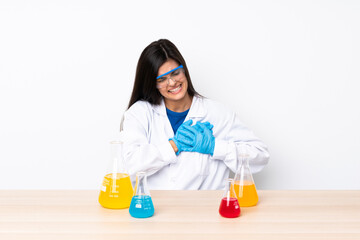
(141, 206)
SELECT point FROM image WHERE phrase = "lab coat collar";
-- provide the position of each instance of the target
(196, 110)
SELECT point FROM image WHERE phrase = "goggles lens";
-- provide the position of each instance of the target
(176, 75)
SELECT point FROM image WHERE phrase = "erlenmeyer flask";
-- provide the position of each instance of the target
(141, 203)
(229, 206)
(116, 190)
(244, 184)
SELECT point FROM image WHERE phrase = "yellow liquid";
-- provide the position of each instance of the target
(246, 194)
(116, 191)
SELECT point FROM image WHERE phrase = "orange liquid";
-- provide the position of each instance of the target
(246, 194)
(116, 191)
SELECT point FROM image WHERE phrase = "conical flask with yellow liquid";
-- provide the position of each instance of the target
(116, 190)
(244, 184)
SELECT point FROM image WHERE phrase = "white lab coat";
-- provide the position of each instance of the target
(146, 133)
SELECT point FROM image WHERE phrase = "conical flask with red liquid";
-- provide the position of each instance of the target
(244, 184)
(116, 190)
(229, 205)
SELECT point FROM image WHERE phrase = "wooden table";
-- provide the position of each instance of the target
(180, 215)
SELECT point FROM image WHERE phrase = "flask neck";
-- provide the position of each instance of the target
(243, 161)
(229, 188)
(242, 156)
(141, 184)
(243, 175)
(116, 164)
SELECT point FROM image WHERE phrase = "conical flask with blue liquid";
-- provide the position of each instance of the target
(141, 203)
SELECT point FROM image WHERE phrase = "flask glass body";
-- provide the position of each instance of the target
(116, 190)
(244, 184)
(141, 203)
(229, 205)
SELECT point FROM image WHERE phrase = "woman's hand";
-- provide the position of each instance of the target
(173, 145)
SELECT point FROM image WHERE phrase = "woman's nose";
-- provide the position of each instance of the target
(172, 82)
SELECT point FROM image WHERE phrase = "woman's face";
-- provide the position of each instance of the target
(174, 90)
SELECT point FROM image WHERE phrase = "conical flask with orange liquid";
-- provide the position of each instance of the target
(116, 190)
(244, 184)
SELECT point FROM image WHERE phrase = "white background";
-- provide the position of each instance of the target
(289, 68)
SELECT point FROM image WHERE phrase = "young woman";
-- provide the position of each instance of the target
(179, 138)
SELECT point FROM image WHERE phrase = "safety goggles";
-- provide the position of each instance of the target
(175, 75)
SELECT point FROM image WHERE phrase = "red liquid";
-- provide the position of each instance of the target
(229, 209)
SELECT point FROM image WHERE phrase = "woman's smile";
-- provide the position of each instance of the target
(176, 90)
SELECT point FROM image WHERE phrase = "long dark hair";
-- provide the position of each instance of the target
(153, 56)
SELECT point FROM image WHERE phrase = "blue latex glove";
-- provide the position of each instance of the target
(198, 138)
(205, 124)
(181, 137)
